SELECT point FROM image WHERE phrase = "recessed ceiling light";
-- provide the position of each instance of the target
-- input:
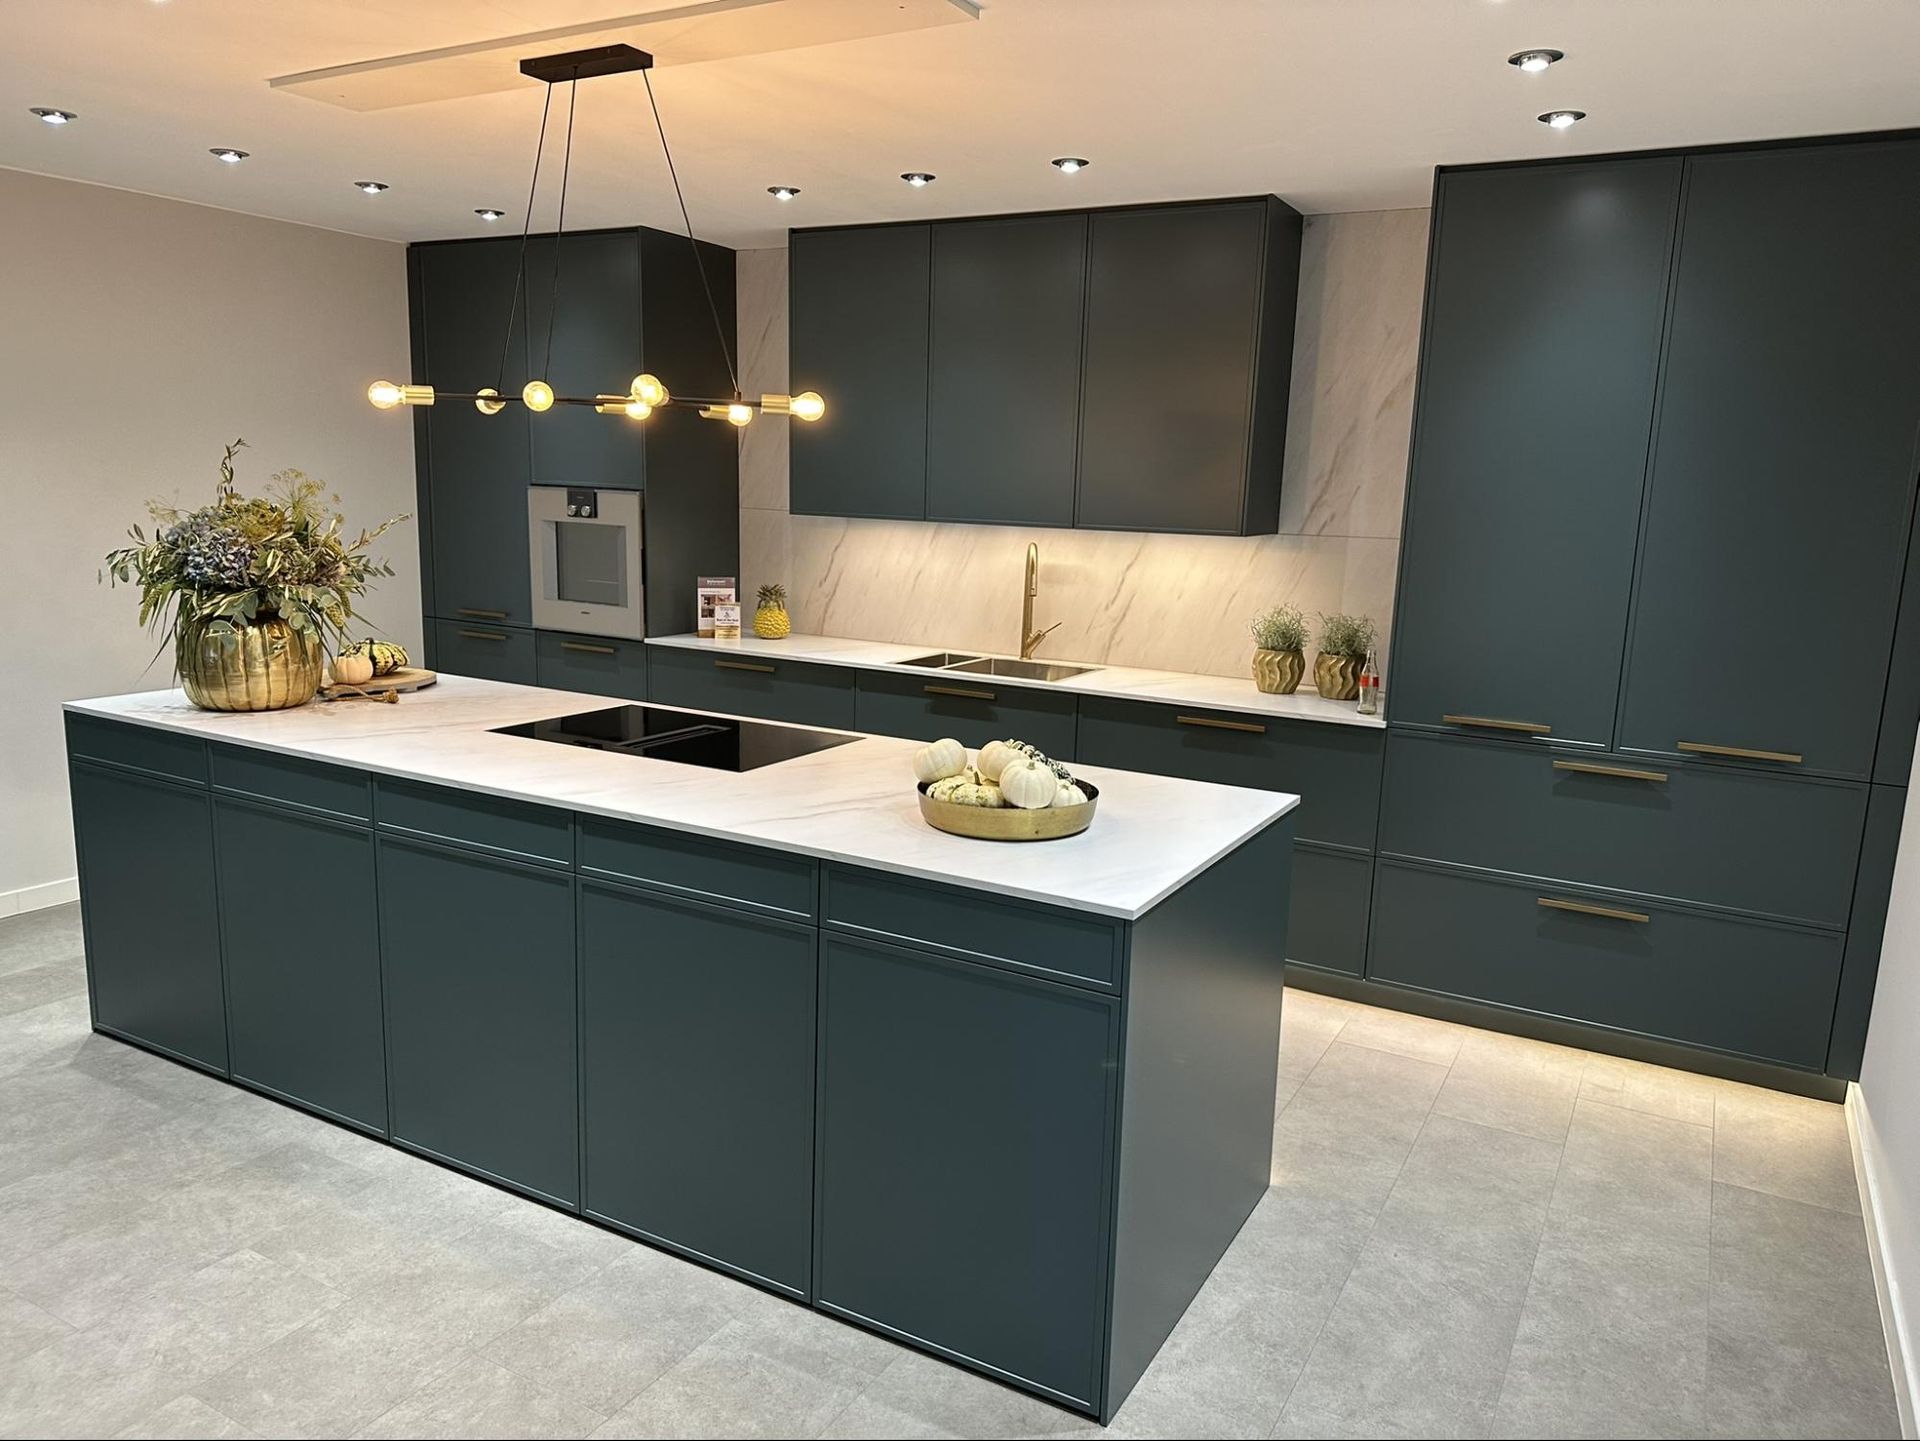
(55, 117)
(1534, 61)
(228, 154)
(370, 187)
(918, 178)
(489, 214)
(783, 192)
(1068, 164)
(1562, 119)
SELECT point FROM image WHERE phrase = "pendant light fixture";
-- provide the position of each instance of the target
(646, 393)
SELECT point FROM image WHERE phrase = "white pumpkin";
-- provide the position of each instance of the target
(1028, 784)
(355, 669)
(945, 757)
(977, 793)
(994, 756)
(942, 790)
(1069, 794)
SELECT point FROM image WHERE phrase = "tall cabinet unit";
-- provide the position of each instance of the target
(1670, 407)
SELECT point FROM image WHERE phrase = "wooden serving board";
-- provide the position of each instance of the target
(406, 678)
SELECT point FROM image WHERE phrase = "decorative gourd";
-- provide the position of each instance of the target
(942, 790)
(353, 668)
(1069, 794)
(978, 793)
(994, 756)
(1028, 784)
(945, 757)
(385, 655)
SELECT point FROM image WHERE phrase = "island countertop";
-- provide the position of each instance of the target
(854, 803)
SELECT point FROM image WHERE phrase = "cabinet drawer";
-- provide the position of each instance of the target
(1711, 834)
(706, 870)
(1334, 769)
(1063, 945)
(972, 709)
(141, 747)
(509, 828)
(1327, 920)
(752, 685)
(1747, 987)
(490, 652)
(591, 663)
(288, 780)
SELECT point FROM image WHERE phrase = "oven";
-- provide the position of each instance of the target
(587, 560)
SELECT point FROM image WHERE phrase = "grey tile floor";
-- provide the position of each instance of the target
(1467, 1235)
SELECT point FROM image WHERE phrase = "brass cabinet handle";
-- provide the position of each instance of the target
(1625, 773)
(960, 691)
(1701, 748)
(742, 665)
(586, 649)
(1581, 908)
(1532, 728)
(1214, 723)
(480, 614)
(482, 635)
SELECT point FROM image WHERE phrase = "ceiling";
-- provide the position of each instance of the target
(1332, 104)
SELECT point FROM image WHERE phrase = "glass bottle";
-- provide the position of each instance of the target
(1370, 686)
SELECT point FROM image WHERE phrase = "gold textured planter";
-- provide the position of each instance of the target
(1278, 672)
(265, 666)
(1337, 677)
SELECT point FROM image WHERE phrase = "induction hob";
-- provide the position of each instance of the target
(663, 734)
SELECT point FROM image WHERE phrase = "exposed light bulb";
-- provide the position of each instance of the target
(808, 405)
(739, 414)
(486, 404)
(638, 409)
(1562, 119)
(384, 394)
(537, 395)
(648, 390)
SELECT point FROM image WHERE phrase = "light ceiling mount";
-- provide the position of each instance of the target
(1070, 164)
(371, 187)
(490, 213)
(1535, 62)
(646, 393)
(50, 116)
(227, 154)
(1561, 119)
(918, 179)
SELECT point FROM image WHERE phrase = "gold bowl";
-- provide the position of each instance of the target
(1009, 823)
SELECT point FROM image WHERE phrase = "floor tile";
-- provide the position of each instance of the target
(76, 1387)
(480, 1398)
(1789, 1146)
(1638, 1171)
(1637, 1086)
(1359, 1100)
(50, 936)
(25, 1327)
(186, 1417)
(1306, 1030)
(31, 986)
(1513, 1083)
(920, 1396)
(1420, 1037)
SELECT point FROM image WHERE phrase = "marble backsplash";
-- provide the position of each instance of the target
(1165, 601)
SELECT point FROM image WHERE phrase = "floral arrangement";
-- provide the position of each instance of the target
(242, 560)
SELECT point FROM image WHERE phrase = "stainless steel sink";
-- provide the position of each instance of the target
(940, 660)
(1019, 669)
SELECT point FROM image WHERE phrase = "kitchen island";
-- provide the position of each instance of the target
(1006, 1103)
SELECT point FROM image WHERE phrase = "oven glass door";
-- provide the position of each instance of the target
(590, 562)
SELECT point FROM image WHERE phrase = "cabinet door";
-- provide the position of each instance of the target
(594, 313)
(1544, 304)
(147, 896)
(859, 337)
(971, 709)
(1003, 403)
(964, 1126)
(303, 1001)
(749, 685)
(1784, 465)
(596, 664)
(1173, 308)
(486, 651)
(478, 464)
(697, 1078)
(479, 963)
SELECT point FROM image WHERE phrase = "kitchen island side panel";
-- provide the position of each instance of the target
(1201, 1052)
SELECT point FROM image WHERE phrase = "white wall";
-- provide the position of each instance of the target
(1885, 1107)
(137, 336)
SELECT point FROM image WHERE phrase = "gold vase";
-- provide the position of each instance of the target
(1278, 672)
(264, 666)
(1337, 677)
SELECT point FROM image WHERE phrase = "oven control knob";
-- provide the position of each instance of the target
(573, 510)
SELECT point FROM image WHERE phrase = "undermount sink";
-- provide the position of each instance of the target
(940, 660)
(1019, 669)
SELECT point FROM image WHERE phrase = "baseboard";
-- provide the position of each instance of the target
(38, 898)
(1886, 1286)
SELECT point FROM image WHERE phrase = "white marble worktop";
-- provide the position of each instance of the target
(854, 803)
(1168, 687)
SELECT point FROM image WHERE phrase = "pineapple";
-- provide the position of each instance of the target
(770, 619)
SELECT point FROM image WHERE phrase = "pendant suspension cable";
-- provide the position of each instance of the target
(560, 225)
(520, 267)
(719, 330)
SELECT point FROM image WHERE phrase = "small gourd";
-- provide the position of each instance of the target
(1069, 794)
(1028, 784)
(383, 655)
(353, 668)
(994, 756)
(945, 757)
(978, 793)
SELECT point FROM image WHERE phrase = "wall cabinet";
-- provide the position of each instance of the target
(1540, 347)
(697, 1031)
(586, 341)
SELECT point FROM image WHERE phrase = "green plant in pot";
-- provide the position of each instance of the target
(250, 591)
(1344, 643)
(1280, 640)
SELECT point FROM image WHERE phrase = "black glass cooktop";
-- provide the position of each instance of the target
(717, 742)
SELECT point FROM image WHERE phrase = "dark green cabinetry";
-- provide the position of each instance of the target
(479, 648)
(1783, 464)
(697, 1035)
(303, 1000)
(480, 1005)
(752, 685)
(1541, 344)
(971, 709)
(921, 1145)
(599, 665)
(586, 341)
(147, 903)
(1003, 399)
(858, 315)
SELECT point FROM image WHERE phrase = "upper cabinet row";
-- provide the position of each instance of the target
(1664, 456)
(1114, 369)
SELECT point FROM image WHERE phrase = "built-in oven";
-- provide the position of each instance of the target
(587, 555)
